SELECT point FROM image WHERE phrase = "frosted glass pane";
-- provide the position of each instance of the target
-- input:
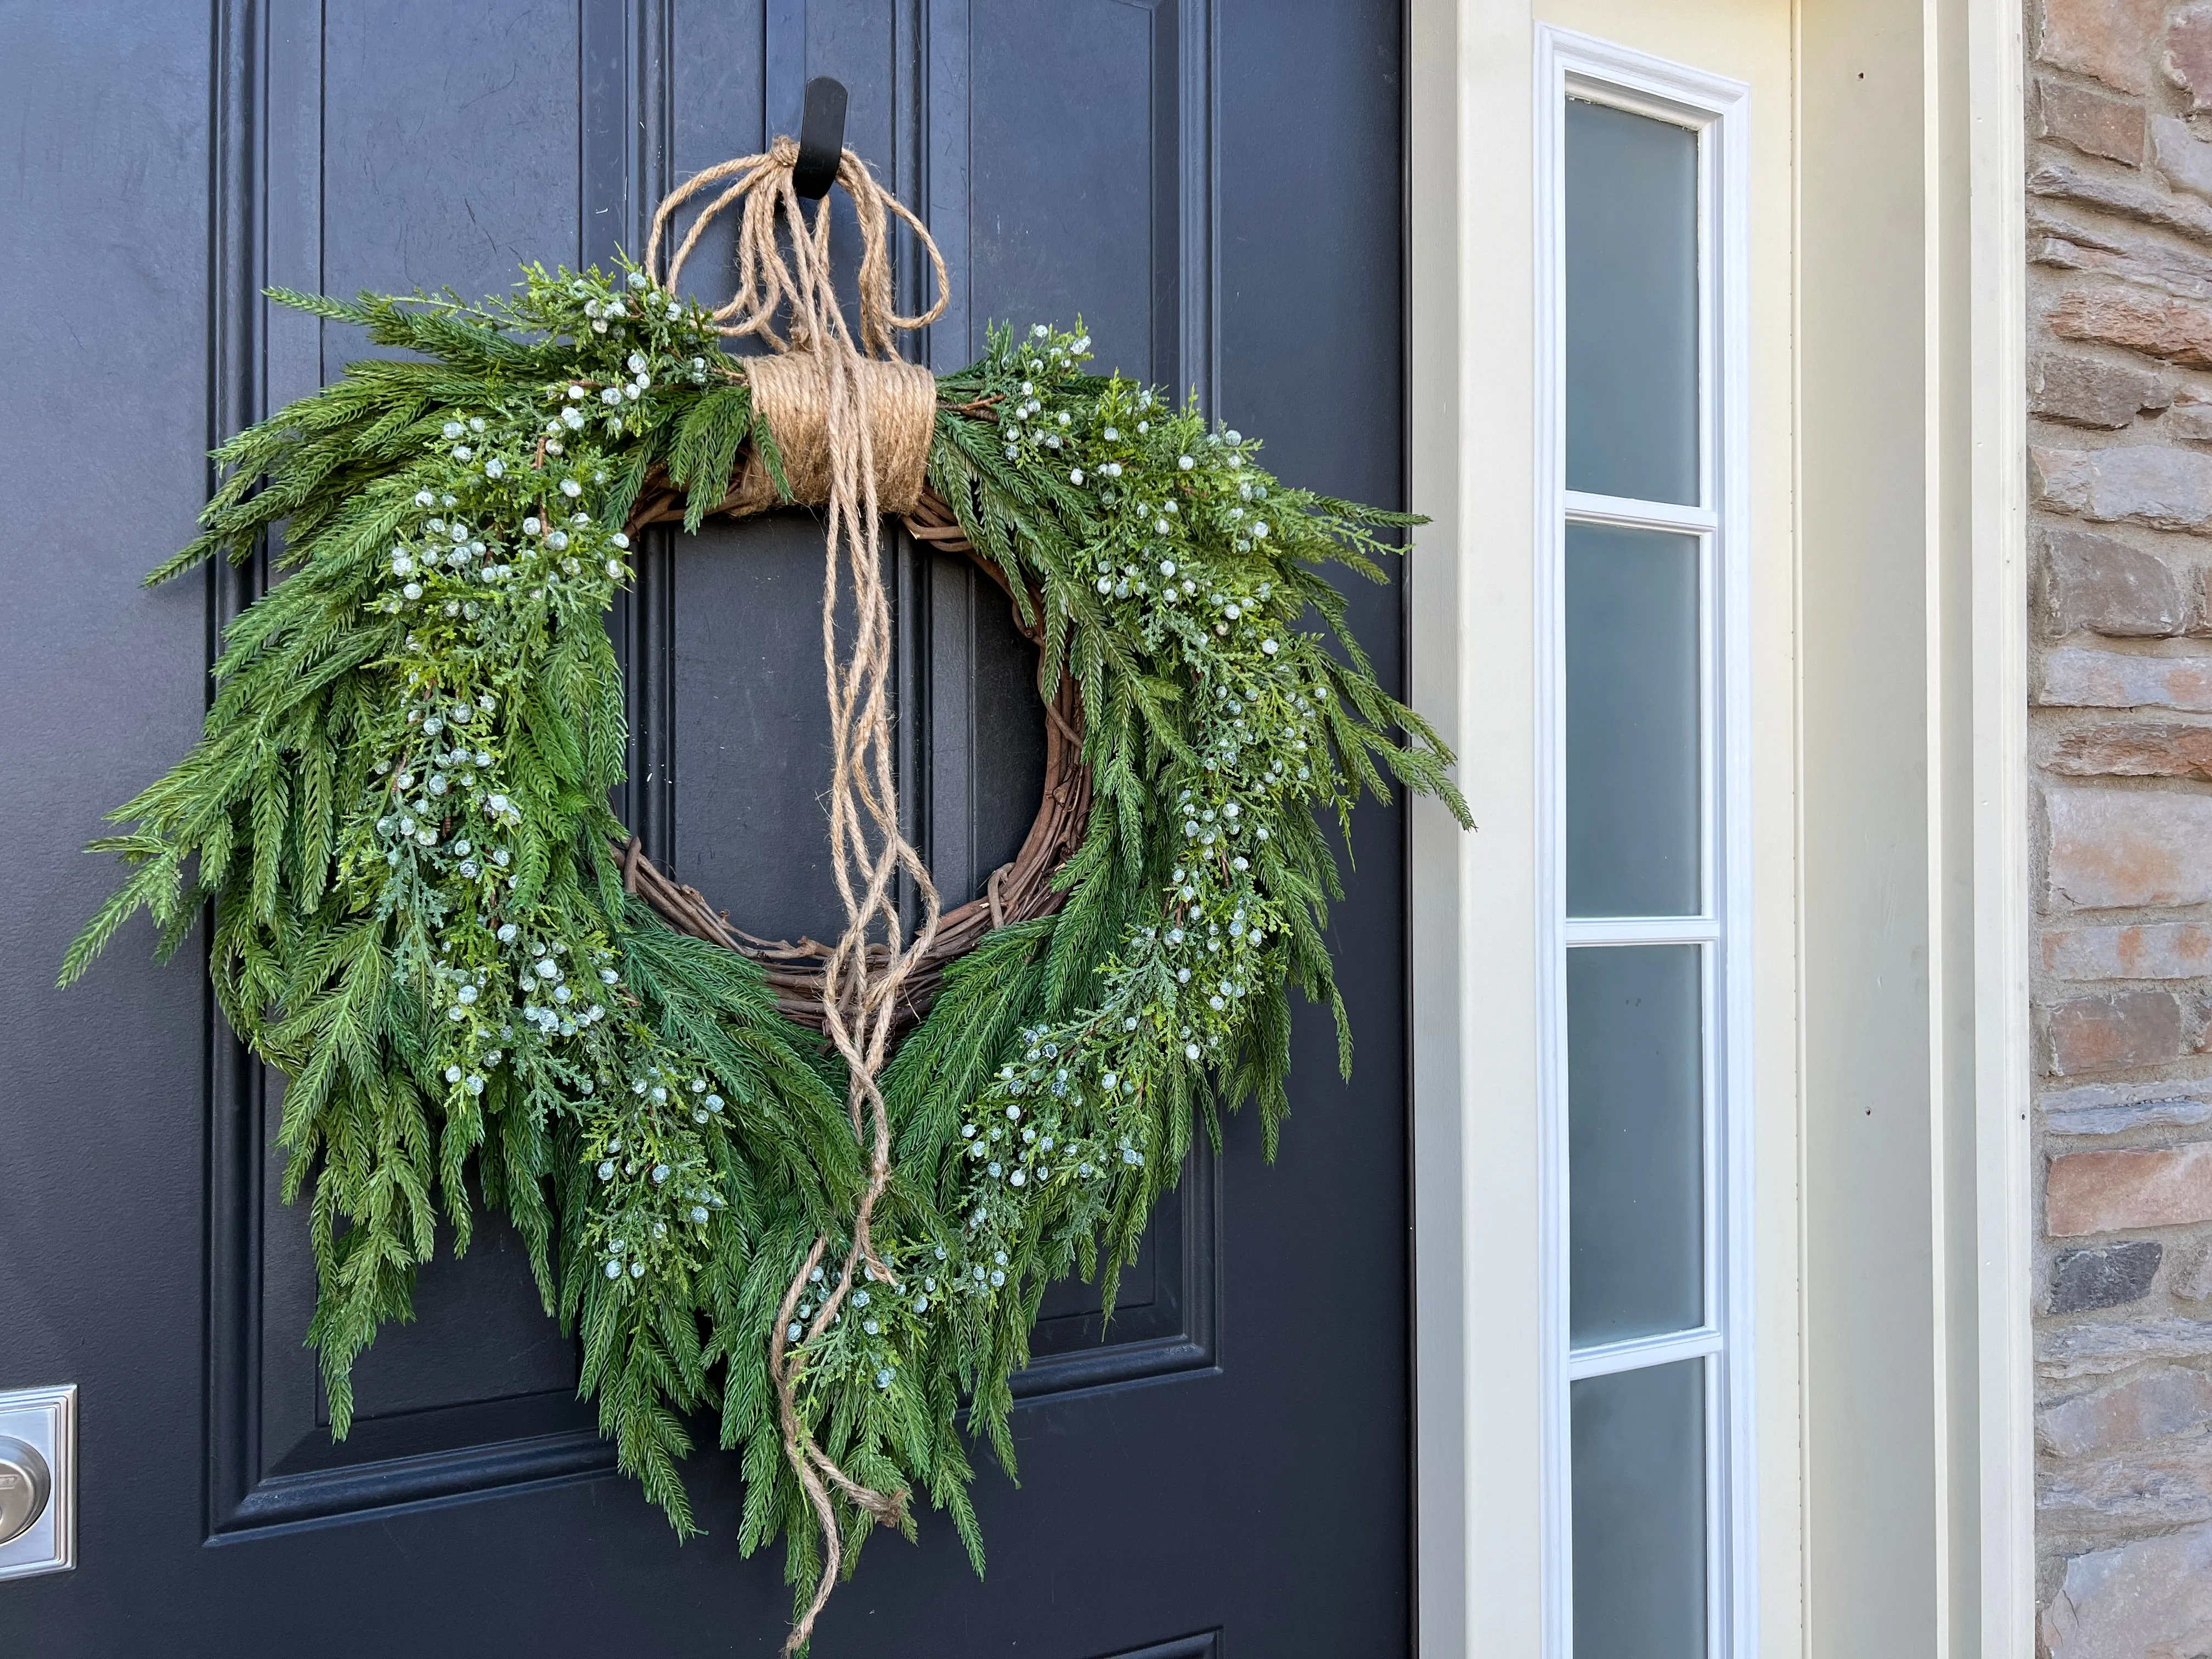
(1632, 787)
(1635, 1142)
(1639, 1498)
(1632, 258)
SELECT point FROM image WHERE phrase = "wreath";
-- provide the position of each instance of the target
(819, 1188)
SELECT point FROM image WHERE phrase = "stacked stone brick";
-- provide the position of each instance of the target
(2119, 210)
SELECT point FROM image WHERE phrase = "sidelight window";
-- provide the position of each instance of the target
(1644, 889)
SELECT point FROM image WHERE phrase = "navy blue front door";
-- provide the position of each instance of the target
(1215, 186)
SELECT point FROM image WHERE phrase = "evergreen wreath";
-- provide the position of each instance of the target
(427, 918)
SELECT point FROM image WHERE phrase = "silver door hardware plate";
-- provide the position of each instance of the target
(38, 1480)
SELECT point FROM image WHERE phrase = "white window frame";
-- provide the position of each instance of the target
(1716, 109)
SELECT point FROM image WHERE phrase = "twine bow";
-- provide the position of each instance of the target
(854, 425)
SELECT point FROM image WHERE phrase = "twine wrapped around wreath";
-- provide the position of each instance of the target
(794, 393)
(853, 426)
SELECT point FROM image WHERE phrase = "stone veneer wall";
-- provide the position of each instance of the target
(2119, 213)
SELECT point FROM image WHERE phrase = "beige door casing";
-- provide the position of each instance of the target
(1887, 666)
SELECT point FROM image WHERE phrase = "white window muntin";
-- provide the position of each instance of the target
(1573, 66)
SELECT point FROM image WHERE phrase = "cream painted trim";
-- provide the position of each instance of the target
(1470, 386)
(2003, 1157)
(1479, 1388)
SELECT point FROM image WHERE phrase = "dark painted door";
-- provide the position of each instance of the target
(1215, 184)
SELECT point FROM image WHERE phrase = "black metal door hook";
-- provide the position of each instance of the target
(821, 138)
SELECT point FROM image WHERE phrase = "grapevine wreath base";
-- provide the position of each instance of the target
(818, 1188)
(1022, 890)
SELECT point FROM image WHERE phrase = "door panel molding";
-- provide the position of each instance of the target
(1173, 1335)
(1206, 1644)
(267, 227)
(1185, 205)
(628, 100)
(232, 1081)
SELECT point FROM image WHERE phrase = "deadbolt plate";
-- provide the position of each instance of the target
(26, 1483)
(38, 1481)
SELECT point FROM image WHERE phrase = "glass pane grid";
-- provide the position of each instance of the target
(1632, 274)
(1642, 1536)
(1695, 1117)
(1637, 1213)
(1600, 931)
(1642, 1376)
(1584, 506)
(1604, 1359)
(1635, 719)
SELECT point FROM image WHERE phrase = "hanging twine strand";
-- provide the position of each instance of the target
(853, 426)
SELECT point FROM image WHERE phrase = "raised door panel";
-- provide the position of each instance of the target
(408, 148)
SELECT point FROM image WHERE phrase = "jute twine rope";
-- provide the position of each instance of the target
(853, 426)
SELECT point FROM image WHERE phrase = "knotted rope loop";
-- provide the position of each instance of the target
(768, 281)
(853, 426)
